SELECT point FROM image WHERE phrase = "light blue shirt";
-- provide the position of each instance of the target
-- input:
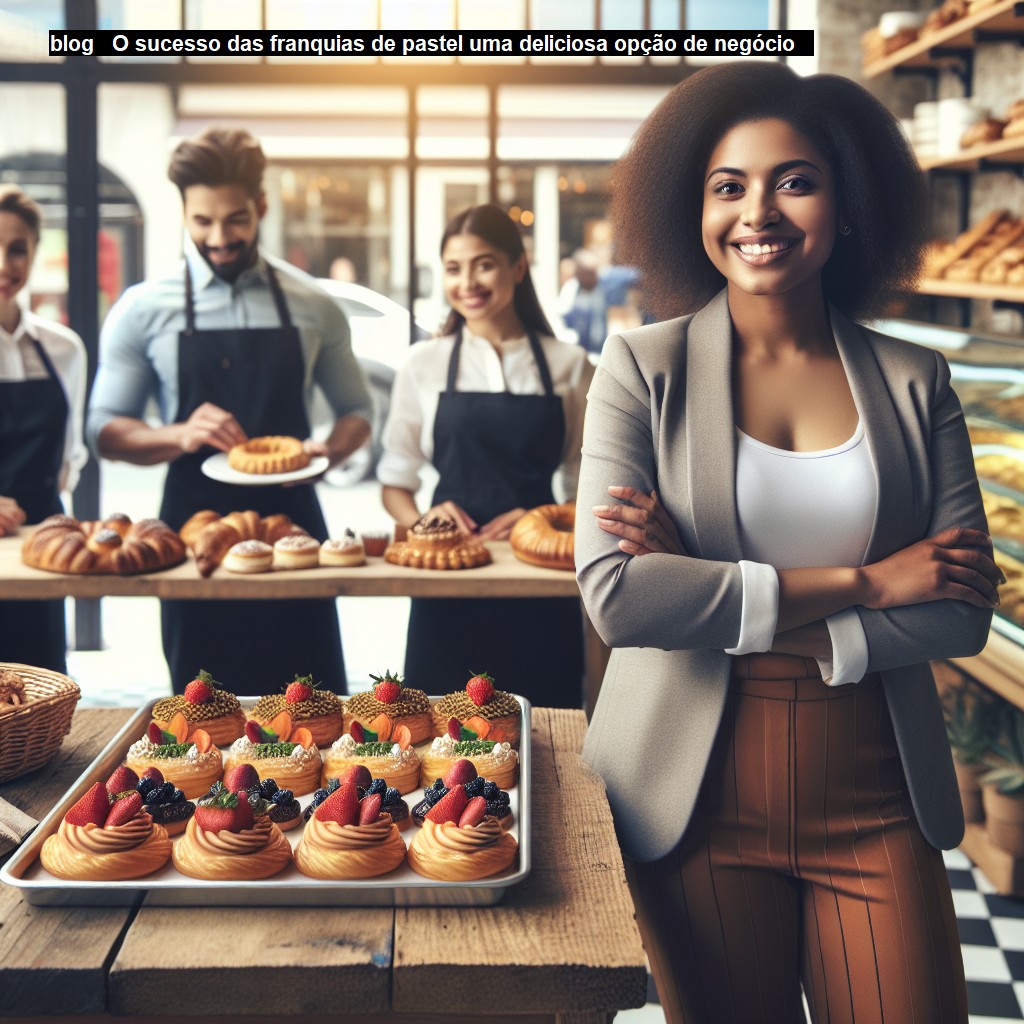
(139, 341)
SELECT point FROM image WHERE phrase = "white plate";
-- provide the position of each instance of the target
(216, 468)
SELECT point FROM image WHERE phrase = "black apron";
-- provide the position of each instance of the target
(33, 424)
(252, 647)
(497, 451)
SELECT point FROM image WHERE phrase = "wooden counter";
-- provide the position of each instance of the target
(506, 576)
(562, 946)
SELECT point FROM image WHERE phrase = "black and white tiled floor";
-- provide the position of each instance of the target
(992, 940)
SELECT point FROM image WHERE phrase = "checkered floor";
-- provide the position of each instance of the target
(992, 939)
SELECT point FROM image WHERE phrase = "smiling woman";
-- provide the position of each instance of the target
(796, 530)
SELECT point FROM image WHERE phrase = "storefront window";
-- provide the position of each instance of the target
(24, 25)
(739, 14)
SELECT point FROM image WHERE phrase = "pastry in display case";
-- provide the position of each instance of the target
(988, 376)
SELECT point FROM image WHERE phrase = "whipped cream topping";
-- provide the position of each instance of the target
(232, 844)
(145, 747)
(345, 746)
(330, 835)
(245, 748)
(444, 746)
(448, 838)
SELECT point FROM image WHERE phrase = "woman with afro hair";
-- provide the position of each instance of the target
(778, 527)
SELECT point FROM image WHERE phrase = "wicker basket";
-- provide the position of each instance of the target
(31, 733)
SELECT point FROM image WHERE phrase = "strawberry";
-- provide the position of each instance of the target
(474, 813)
(480, 688)
(369, 809)
(460, 773)
(227, 812)
(155, 774)
(155, 733)
(341, 806)
(449, 807)
(253, 733)
(122, 780)
(387, 687)
(200, 690)
(455, 729)
(124, 809)
(92, 809)
(357, 732)
(358, 775)
(241, 777)
(299, 690)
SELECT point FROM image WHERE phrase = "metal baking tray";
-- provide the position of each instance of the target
(167, 887)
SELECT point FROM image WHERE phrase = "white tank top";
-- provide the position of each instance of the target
(805, 508)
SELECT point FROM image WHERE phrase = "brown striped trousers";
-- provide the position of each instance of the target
(803, 862)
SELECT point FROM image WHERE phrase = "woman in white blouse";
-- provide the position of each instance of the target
(496, 405)
(42, 398)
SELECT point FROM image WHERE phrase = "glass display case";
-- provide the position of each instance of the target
(988, 377)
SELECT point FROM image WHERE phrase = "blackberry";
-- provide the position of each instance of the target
(320, 796)
(283, 796)
(153, 797)
(502, 798)
(475, 787)
(166, 814)
(284, 810)
(378, 786)
(390, 795)
(497, 809)
(431, 796)
(268, 787)
(439, 784)
(177, 796)
(143, 787)
(168, 790)
(332, 785)
(490, 790)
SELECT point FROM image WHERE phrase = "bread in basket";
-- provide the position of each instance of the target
(36, 707)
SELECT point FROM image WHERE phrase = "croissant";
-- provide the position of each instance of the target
(114, 546)
(211, 536)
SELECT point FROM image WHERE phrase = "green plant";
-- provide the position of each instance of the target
(1006, 758)
(971, 722)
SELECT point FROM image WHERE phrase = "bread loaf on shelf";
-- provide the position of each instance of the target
(114, 546)
(211, 536)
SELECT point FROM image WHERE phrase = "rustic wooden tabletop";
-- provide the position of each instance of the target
(561, 946)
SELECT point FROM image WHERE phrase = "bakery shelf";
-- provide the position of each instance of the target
(971, 290)
(1005, 16)
(505, 577)
(1002, 151)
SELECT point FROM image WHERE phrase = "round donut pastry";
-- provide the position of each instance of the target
(204, 704)
(114, 546)
(269, 454)
(497, 762)
(402, 705)
(296, 551)
(399, 767)
(257, 852)
(291, 765)
(451, 853)
(95, 853)
(490, 713)
(544, 536)
(346, 551)
(332, 850)
(249, 556)
(191, 770)
(437, 543)
(307, 705)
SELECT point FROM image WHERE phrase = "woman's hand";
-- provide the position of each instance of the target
(641, 522)
(209, 424)
(953, 565)
(12, 515)
(465, 522)
(501, 526)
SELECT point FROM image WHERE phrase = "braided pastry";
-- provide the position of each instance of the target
(211, 536)
(114, 546)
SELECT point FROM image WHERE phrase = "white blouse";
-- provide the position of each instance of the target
(20, 361)
(803, 509)
(409, 433)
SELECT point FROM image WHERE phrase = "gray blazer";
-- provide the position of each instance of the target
(659, 415)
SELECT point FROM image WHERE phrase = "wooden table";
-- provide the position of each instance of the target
(562, 946)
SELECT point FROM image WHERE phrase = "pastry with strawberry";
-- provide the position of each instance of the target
(492, 714)
(231, 837)
(460, 841)
(105, 839)
(493, 759)
(162, 800)
(317, 710)
(350, 837)
(387, 705)
(281, 751)
(206, 705)
(184, 756)
(463, 773)
(282, 807)
(388, 756)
